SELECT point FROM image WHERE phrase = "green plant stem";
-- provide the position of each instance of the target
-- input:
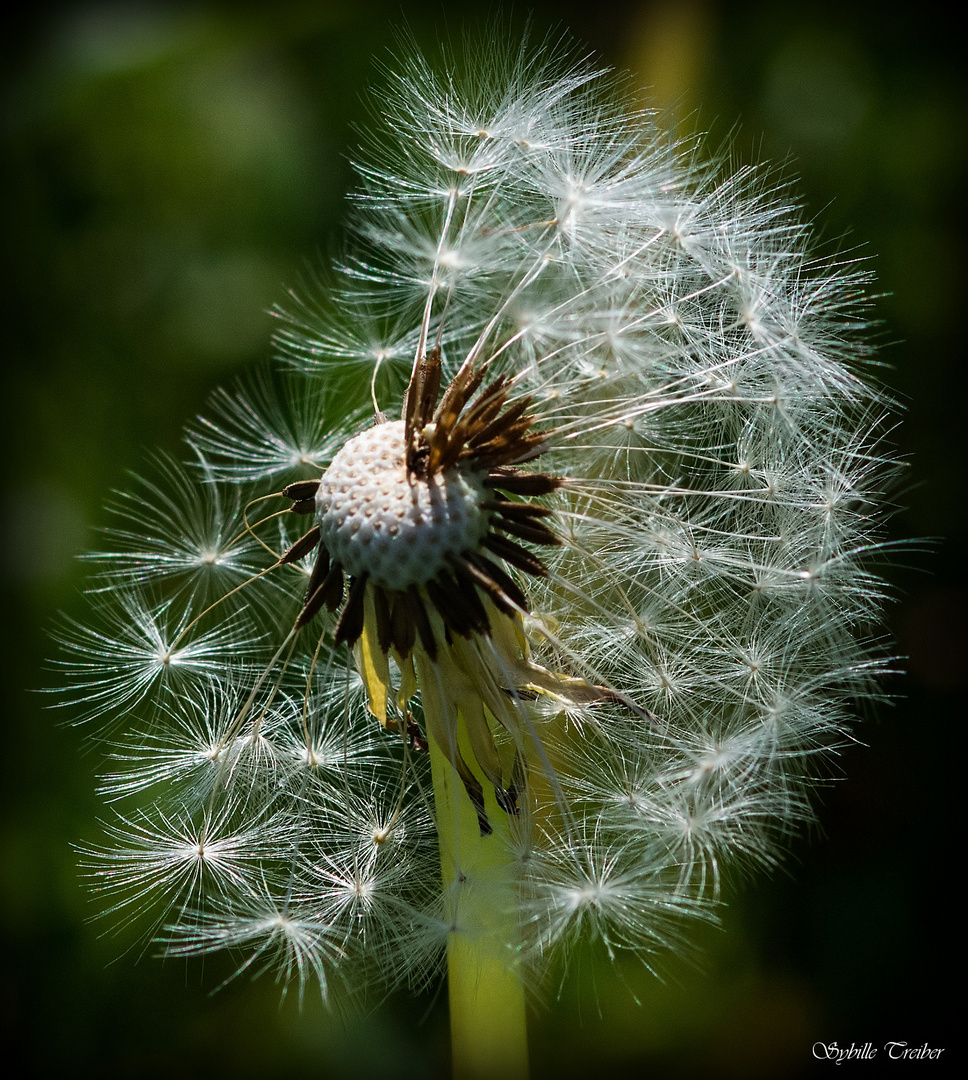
(487, 1007)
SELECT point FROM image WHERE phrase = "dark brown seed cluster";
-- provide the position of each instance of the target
(486, 436)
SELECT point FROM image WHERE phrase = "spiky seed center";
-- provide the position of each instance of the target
(398, 529)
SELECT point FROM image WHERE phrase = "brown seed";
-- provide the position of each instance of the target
(534, 532)
(420, 619)
(516, 555)
(350, 624)
(467, 592)
(330, 592)
(457, 394)
(384, 625)
(488, 405)
(303, 546)
(422, 392)
(518, 510)
(332, 587)
(442, 591)
(503, 423)
(300, 490)
(499, 585)
(525, 484)
(319, 571)
(403, 631)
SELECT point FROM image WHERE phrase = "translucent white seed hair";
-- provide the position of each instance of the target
(570, 470)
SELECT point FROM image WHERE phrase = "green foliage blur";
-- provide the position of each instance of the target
(168, 172)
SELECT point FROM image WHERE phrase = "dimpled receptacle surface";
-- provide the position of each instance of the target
(373, 518)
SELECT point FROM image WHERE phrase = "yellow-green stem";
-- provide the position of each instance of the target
(487, 1007)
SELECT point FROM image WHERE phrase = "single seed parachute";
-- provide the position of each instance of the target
(532, 648)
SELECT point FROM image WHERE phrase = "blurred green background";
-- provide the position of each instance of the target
(168, 171)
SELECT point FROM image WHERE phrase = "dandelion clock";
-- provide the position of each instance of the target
(526, 595)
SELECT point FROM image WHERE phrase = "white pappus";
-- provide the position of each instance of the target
(600, 531)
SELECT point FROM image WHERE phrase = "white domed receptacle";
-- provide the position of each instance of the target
(398, 529)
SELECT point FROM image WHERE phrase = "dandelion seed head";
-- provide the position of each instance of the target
(601, 571)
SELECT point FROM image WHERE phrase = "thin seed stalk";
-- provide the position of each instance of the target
(487, 1007)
